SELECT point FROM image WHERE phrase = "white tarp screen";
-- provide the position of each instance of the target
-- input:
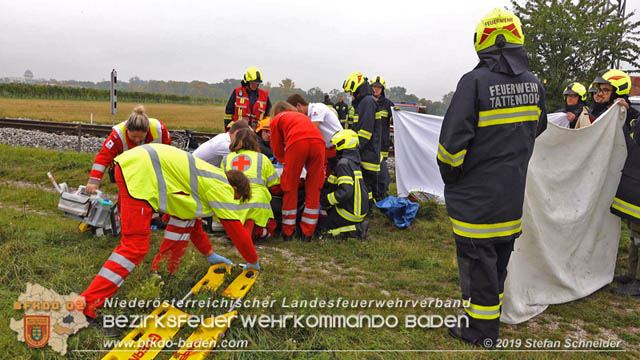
(570, 239)
(415, 150)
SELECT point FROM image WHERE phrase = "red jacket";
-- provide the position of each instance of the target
(289, 127)
(113, 147)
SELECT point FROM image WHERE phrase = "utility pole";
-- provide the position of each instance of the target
(619, 12)
(114, 96)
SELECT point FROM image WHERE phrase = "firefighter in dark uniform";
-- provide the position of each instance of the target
(626, 203)
(369, 130)
(343, 110)
(248, 101)
(612, 87)
(384, 116)
(327, 101)
(485, 144)
(344, 195)
(575, 96)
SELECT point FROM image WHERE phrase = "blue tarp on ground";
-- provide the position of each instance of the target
(401, 210)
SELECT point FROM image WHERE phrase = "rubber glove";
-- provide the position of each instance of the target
(215, 259)
(255, 266)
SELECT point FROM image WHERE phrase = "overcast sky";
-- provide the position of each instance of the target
(424, 46)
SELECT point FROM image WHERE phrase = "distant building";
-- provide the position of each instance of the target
(635, 86)
(28, 76)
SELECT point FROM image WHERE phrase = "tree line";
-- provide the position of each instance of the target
(35, 91)
(569, 41)
(194, 92)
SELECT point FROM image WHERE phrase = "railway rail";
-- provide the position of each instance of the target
(83, 129)
(179, 137)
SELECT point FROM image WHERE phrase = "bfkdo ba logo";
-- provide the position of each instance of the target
(36, 330)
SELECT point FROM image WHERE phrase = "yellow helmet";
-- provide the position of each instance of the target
(491, 26)
(353, 82)
(345, 139)
(252, 74)
(620, 81)
(575, 88)
(378, 81)
(264, 124)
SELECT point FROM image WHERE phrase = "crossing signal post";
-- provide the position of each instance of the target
(114, 96)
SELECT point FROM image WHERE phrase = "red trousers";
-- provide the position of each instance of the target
(308, 153)
(134, 245)
(176, 239)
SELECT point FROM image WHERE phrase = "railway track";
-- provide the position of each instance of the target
(82, 129)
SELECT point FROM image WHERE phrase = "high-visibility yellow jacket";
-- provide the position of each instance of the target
(262, 175)
(175, 182)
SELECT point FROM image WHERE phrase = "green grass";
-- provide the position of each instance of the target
(40, 246)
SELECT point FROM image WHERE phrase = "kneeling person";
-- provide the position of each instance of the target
(246, 158)
(344, 195)
(156, 177)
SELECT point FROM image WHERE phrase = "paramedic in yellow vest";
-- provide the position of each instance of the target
(158, 177)
(245, 157)
(137, 130)
(248, 101)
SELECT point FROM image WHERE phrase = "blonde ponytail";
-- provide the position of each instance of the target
(138, 120)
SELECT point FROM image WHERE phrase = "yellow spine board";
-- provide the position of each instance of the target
(205, 338)
(241, 284)
(213, 278)
(141, 343)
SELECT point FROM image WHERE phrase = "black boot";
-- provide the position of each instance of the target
(287, 237)
(632, 289)
(305, 238)
(362, 229)
(372, 207)
(622, 279)
(456, 332)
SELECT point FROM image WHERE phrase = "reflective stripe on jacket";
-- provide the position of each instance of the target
(175, 182)
(485, 144)
(626, 203)
(155, 130)
(369, 128)
(345, 188)
(262, 175)
(243, 108)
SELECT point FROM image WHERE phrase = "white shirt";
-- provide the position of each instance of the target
(214, 149)
(330, 124)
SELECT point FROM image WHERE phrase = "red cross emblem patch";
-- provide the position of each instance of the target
(241, 163)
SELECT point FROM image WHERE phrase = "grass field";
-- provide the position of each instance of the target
(207, 118)
(38, 245)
